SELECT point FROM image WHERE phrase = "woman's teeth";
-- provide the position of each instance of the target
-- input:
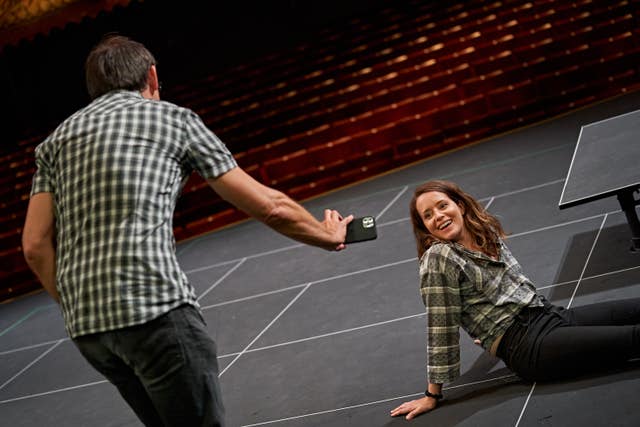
(444, 225)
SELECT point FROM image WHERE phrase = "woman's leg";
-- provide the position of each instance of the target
(609, 313)
(594, 337)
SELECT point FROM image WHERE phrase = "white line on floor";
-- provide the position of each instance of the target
(212, 287)
(265, 329)
(526, 402)
(562, 224)
(29, 347)
(395, 199)
(250, 297)
(575, 290)
(257, 255)
(489, 203)
(595, 276)
(357, 328)
(49, 350)
(522, 190)
(59, 390)
(360, 405)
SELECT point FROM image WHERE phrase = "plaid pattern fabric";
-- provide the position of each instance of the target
(115, 169)
(463, 288)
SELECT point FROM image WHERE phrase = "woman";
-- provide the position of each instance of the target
(469, 279)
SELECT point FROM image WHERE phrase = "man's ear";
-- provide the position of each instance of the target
(154, 83)
(152, 89)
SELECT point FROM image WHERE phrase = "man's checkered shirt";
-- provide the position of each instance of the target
(115, 170)
(464, 288)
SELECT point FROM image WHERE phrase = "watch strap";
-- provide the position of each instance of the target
(433, 395)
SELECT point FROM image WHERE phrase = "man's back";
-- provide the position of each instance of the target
(115, 169)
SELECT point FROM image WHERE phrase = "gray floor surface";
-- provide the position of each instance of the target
(312, 338)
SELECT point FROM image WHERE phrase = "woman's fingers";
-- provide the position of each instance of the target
(416, 411)
(406, 407)
(414, 408)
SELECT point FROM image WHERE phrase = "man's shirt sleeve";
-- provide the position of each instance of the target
(206, 153)
(440, 292)
(43, 179)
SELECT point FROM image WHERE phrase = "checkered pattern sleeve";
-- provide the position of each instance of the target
(43, 181)
(206, 153)
(441, 295)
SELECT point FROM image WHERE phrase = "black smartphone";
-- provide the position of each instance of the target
(361, 230)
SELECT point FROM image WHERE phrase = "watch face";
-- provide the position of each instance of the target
(368, 222)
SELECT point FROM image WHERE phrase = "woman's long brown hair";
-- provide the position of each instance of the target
(485, 229)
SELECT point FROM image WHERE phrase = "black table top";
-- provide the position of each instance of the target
(605, 161)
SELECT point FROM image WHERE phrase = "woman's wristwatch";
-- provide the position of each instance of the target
(433, 395)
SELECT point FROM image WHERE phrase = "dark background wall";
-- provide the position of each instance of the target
(312, 95)
(42, 81)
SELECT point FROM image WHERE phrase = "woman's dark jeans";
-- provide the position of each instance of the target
(550, 342)
(165, 369)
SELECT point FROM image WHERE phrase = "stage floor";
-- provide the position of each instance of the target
(312, 338)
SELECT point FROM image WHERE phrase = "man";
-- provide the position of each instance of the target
(98, 235)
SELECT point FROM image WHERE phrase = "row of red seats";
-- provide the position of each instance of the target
(289, 84)
(464, 66)
(270, 115)
(397, 101)
(285, 68)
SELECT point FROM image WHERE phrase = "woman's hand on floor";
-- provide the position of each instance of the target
(415, 407)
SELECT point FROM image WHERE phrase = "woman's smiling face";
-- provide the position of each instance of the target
(442, 217)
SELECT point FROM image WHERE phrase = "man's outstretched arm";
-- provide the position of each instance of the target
(280, 212)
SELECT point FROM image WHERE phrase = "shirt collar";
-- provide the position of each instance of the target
(124, 92)
(120, 93)
(477, 254)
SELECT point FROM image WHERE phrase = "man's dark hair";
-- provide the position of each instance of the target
(117, 62)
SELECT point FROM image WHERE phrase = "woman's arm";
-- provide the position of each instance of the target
(440, 292)
(440, 273)
(419, 406)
